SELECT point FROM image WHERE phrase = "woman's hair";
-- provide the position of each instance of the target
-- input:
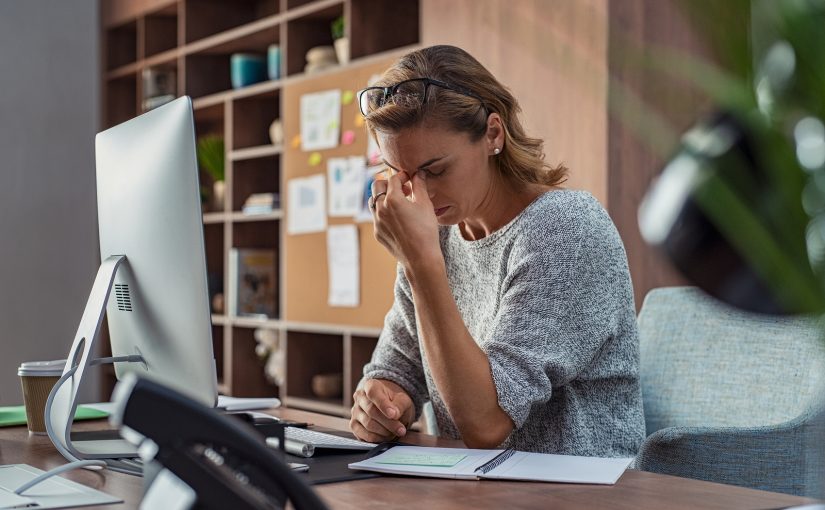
(522, 157)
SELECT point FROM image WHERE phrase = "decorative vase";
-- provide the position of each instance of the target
(218, 195)
(342, 50)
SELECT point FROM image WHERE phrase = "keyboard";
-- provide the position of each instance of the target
(303, 442)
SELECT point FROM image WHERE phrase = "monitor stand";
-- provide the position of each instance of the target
(63, 397)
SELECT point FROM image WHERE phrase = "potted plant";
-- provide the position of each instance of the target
(340, 40)
(211, 158)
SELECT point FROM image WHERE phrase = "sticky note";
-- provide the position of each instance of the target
(296, 141)
(315, 159)
(422, 459)
(347, 137)
(358, 120)
(347, 97)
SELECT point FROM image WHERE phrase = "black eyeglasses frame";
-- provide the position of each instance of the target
(390, 91)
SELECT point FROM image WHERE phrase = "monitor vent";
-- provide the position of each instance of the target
(124, 300)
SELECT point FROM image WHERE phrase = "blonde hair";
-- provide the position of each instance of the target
(521, 159)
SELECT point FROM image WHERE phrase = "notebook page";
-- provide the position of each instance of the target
(436, 458)
(545, 467)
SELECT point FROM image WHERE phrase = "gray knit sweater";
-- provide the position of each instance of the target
(548, 298)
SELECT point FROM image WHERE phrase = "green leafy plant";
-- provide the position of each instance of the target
(767, 75)
(337, 27)
(211, 156)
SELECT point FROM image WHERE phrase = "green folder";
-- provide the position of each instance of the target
(16, 415)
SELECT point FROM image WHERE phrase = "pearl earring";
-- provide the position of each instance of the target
(496, 151)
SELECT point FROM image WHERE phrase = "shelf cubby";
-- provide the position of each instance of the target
(207, 74)
(160, 31)
(121, 45)
(260, 235)
(368, 16)
(209, 120)
(259, 175)
(246, 376)
(121, 99)
(361, 348)
(309, 354)
(252, 117)
(214, 244)
(205, 18)
(308, 31)
(217, 349)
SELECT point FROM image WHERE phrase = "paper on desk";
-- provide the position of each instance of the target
(422, 459)
(56, 492)
(231, 404)
(345, 178)
(343, 262)
(306, 211)
(320, 120)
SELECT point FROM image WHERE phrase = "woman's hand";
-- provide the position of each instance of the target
(381, 411)
(404, 219)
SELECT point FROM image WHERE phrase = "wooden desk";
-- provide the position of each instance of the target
(635, 490)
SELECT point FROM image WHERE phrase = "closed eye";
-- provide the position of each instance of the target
(434, 172)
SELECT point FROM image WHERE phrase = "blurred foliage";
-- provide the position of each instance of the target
(757, 169)
(211, 156)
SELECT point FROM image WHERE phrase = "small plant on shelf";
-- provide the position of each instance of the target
(340, 40)
(211, 158)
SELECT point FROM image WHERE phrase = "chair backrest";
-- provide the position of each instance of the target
(703, 363)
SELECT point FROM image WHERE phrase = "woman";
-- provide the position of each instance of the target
(513, 309)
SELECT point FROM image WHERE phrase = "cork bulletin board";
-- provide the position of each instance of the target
(306, 278)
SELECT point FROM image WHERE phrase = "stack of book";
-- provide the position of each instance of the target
(261, 203)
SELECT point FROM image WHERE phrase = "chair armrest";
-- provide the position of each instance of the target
(781, 458)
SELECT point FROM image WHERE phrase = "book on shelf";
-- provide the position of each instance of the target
(252, 282)
(261, 203)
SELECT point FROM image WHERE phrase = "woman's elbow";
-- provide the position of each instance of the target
(487, 436)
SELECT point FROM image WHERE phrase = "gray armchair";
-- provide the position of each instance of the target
(729, 396)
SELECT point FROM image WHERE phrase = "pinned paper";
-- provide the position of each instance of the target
(358, 120)
(365, 215)
(345, 179)
(347, 97)
(315, 159)
(296, 141)
(307, 211)
(343, 260)
(320, 120)
(348, 137)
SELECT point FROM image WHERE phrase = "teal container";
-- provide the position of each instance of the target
(273, 60)
(246, 69)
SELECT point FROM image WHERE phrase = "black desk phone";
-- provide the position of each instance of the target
(223, 460)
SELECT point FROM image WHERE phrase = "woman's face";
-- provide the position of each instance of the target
(458, 172)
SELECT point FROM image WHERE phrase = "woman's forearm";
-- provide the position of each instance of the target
(460, 368)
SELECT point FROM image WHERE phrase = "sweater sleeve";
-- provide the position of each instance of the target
(397, 356)
(557, 311)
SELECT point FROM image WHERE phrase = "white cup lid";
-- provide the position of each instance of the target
(42, 368)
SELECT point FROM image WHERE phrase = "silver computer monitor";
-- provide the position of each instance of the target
(152, 279)
(149, 209)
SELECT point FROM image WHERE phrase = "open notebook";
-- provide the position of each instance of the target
(469, 464)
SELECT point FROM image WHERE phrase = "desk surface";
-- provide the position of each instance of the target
(635, 490)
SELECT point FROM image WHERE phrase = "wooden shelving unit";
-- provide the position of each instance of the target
(195, 38)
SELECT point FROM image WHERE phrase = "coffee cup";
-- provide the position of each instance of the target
(37, 379)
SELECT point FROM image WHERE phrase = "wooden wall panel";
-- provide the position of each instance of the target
(306, 278)
(553, 56)
(644, 24)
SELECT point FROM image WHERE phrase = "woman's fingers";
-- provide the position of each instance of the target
(374, 418)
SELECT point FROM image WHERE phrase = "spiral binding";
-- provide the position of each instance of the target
(495, 461)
